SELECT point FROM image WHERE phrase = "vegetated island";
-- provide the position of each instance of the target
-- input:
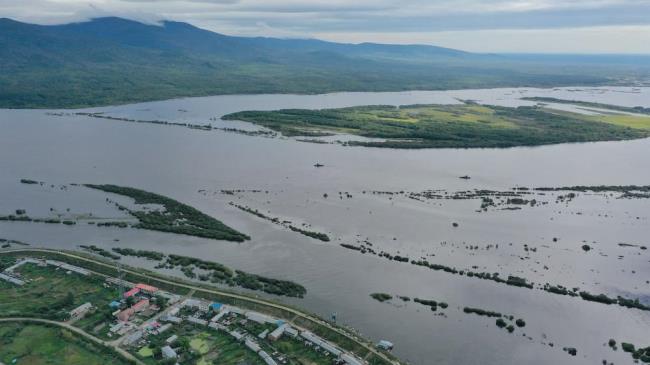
(466, 125)
(211, 271)
(287, 224)
(175, 218)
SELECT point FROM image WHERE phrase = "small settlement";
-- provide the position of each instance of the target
(144, 313)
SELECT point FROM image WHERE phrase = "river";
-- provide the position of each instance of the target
(193, 166)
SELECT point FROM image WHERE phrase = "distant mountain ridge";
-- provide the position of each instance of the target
(115, 60)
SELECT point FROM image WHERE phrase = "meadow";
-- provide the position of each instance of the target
(466, 125)
(32, 344)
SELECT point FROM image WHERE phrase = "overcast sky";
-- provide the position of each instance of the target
(575, 26)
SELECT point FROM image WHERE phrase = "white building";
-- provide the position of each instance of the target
(172, 319)
(351, 360)
(320, 343)
(238, 336)
(195, 320)
(252, 345)
(267, 358)
(133, 338)
(171, 339)
(217, 326)
(278, 332)
(291, 331)
(81, 310)
(164, 328)
(201, 305)
(11, 279)
(263, 334)
(220, 315)
(168, 352)
(260, 318)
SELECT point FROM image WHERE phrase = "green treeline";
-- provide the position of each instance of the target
(176, 217)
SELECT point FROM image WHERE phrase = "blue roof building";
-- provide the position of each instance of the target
(216, 306)
(115, 304)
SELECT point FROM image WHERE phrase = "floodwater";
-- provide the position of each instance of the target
(193, 166)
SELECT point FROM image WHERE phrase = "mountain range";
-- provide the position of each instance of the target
(114, 60)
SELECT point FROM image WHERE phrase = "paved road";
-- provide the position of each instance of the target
(77, 331)
(293, 311)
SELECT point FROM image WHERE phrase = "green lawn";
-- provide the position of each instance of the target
(33, 344)
(46, 295)
(455, 126)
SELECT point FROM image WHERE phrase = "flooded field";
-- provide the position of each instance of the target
(396, 203)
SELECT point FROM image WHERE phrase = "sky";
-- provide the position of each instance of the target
(531, 26)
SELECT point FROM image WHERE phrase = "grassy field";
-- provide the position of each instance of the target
(51, 293)
(458, 126)
(38, 344)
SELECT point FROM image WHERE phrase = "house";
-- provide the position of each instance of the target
(133, 338)
(168, 352)
(131, 292)
(164, 328)
(195, 320)
(252, 345)
(263, 334)
(260, 318)
(11, 279)
(171, 339)
(321, 343)
(195, 303)
(125, 314)
(278, 332)
(146, 288)
(81, 310)
(291, 331)
(219, 315)
(350, 360)
(385, 345)
(141, 305)
(172, 319)
(267, 358)
(115, 328)
(137, 307)
(238, 336)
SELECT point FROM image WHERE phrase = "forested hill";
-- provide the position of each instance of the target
(114, 60)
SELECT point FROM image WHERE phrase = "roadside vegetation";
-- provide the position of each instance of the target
(217, 273)
(466, 125)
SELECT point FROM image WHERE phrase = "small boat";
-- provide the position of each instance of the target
(465, 177)
(319, 165)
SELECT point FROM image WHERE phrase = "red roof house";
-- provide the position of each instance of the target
(147, 288)
(132, 292)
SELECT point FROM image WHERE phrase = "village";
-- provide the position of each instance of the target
(159, 327)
